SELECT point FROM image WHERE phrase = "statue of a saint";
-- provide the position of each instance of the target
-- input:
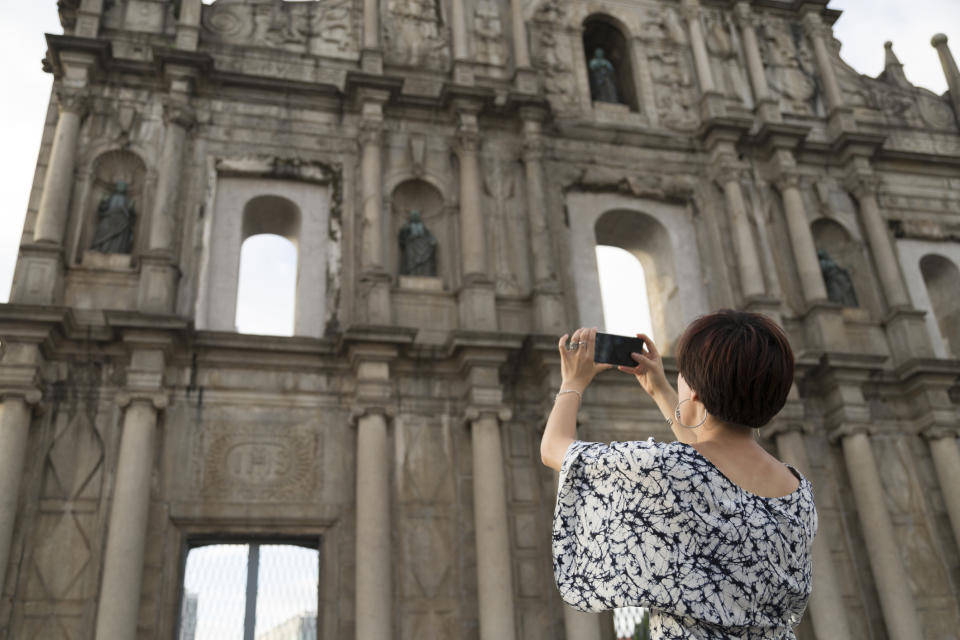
(418, 248)
(115, 221)
(837, 279)
(603, 85)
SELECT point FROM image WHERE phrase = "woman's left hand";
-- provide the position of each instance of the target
(577, 367)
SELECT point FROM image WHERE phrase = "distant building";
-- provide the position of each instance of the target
(302, 627)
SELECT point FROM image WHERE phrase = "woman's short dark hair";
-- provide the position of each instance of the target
(739, 363)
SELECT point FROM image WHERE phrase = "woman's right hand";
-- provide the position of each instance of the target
(649, 368)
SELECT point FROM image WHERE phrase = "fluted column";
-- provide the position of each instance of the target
(158, 272)
(826, 601)
(373, 274)
(945, 452)
(950, 70)
(801, 239)
(462, 72)
(893, 587)
(494, 580)
(371, 56)
(188, 25)
(548, 311)
(864, 187)
(768, 107)
(374, 559)
(473, 242)
(818, 34)
(15, 415)
(119, 603)
(748, 262)
(58, 179)
(691, 11)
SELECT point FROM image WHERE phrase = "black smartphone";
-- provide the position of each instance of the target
(613, 349)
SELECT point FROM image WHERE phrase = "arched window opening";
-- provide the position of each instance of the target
(609, 65)
(648, 243)
(623, 289)
(267, 283)
(942, 278)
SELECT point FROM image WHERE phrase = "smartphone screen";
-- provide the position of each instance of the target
(613, 349)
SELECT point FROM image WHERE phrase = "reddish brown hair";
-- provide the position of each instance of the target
(739, 363)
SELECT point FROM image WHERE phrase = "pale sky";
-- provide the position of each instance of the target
(863, 28)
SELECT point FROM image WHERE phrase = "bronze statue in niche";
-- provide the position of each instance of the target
(418, 248)
(603, 85)
(116, 218)
(837, 280)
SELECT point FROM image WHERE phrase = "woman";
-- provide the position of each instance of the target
(711, 532)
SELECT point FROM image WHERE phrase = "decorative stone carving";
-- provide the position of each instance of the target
(509, 242)
(838, 281)
(490, 47)
(418, 248)
(551, 57)
(256, 462)
(322, 28)
(723, 45)
(672, 72)
(116, 219)
(416, 35)
(790, 67)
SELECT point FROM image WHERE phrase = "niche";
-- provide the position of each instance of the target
(112, 228)
(848, 261)
(942, 279)
(420, 195)
(602, 33)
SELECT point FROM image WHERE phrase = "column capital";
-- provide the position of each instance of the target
(468, 139)
(363, 410)
(725, 171)
(178, 113)
(30, 395)
(474, 412)
(861, 183)
(690, 9)
(787, 179)
(72, 100)
(847, 430)
(814, 26)
(939, 431)
(744, 15)
(370, 131)
(157, 399)
(533, 147)
(782, 427)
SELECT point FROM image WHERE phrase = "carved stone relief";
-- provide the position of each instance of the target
(256, 461)
(490, 47)
(508, 234)
(790, 67)
(671, 68)
(551, 54)
(322, 28)
(416, 34)
(723, 44)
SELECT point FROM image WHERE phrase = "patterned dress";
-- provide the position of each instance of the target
(656, 525)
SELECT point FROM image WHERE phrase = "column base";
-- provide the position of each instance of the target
(840, 121)
(526, 80)
(158, 285)
(824, 327)
(462, 72)
(549, 317)
(375, 298)
(40, 276)
(769, 111)
(371, 61)
(907, 334)
(477, 305)
(712, 105)
(769, 307)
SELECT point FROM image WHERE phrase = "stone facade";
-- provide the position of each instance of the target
(400, 423)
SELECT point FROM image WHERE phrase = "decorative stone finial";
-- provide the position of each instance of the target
(938, 39)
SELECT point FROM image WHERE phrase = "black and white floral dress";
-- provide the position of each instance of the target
(652, 524)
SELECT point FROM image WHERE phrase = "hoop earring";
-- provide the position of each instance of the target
(676, 414)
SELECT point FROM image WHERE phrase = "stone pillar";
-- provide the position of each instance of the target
(691, 10)
(58, 179)
(374, 559)
(950, 70)
(893, 587)
(477, 303)
(521, 48)
(768, 107)
(826, 602)
(88, 19)
(188, 25)
(548, 308)
(158, 271)
(374, 277)
(748, 262)
(461, 54)
(371, 57)
(864, 187)
(119, 603)
(801, 239)
(946, 461)
(839, 114)
(15, 414)
(494, 580)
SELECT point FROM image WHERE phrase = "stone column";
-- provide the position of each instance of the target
(188, 25)
(158, 271)
(371, 57)
(950, 70)
(521, 48)
(376, 281)
(748, 262)
(826, 602)
(88, 19)
(462, 73)
(946, 461)
(15, 415)
(477, 303)
(119, 603)
(691, 11)
(58, 179)
(548, 309)
(840, 115)
(374, 559)
(768, 107)
(864, 187)
(896, 601)
(494, 580)
(801, 239)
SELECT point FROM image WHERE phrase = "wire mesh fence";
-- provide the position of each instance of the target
(250, 591)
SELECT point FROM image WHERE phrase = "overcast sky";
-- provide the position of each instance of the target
(863, 28)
